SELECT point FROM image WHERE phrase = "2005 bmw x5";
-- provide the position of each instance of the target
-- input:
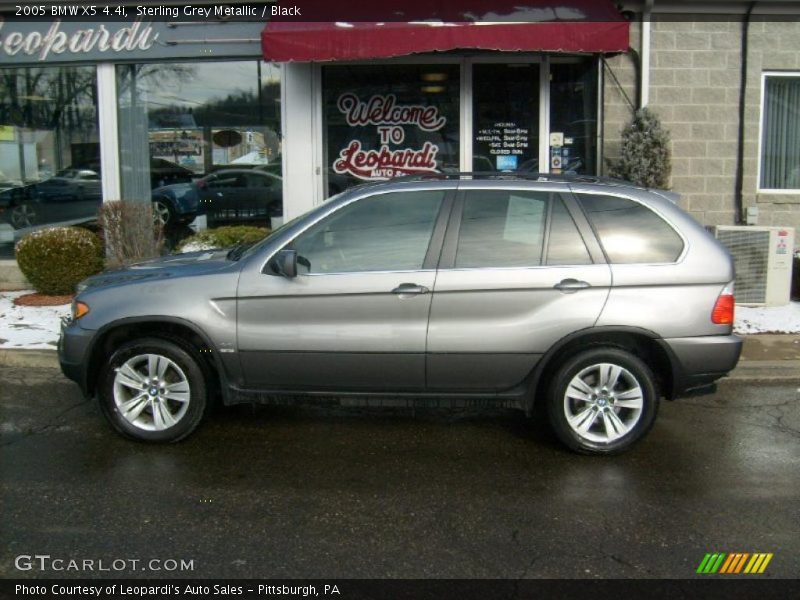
(590, 298)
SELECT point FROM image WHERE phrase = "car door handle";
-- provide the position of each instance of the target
(569, 286)
(410, 289)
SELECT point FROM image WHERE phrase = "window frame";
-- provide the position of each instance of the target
(761, 127)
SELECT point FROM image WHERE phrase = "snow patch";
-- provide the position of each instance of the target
(29, 326)
(774, 319)
(196, 247)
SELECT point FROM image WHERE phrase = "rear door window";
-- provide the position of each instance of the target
(502, 228)
(629, 232)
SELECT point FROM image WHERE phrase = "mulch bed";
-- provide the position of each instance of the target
(42, 300)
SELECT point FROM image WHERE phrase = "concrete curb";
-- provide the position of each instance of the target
(746, 370)
(766, 370)
(28, 358)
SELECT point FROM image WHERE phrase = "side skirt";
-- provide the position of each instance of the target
(362, 400)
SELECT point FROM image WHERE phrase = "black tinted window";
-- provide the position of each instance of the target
(501, 228)
(630, 232)
(386, 232)
(565, 245)
(258, 180)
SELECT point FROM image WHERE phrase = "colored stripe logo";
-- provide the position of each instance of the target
(734, 563)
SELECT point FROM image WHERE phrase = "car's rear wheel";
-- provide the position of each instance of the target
(602, 401)
(153, 390)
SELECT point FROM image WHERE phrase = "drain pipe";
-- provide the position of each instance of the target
(644, 81)
(740, 218)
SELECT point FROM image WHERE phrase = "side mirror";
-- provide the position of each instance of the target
(285, 263)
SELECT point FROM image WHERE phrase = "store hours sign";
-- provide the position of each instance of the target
(395, 156)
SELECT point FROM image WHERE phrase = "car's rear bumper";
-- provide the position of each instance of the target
(697, 362)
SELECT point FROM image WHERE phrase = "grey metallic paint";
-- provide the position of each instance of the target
(476, 331)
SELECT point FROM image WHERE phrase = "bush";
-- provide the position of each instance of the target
(130, 233)
(55, 260)
(645, 158)
(223, 237)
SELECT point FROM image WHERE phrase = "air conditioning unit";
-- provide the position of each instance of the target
(763, 257)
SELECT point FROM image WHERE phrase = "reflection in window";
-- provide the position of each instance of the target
(193, 132)
(386, 232)
(501, 229)
(49, 148)
(573, 112)
(630, 232)
(565, 245)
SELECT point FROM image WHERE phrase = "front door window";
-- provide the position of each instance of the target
(386, 232)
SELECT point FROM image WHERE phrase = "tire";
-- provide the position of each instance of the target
(589, 415)
(163, 213)
(22, 215)
(156, 417)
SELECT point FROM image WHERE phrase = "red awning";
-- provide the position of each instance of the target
(436, 26)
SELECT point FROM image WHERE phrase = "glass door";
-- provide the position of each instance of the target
(505, 117)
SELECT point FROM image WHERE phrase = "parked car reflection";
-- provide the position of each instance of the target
(225, 196)
(71, 195)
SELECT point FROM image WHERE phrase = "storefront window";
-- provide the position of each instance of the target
(384, 121)
(49, 150)
(505, 117)
(573, 117)
(202, 141)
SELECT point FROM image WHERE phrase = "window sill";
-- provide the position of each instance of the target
(789, 197)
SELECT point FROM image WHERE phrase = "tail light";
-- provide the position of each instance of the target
(724, 307)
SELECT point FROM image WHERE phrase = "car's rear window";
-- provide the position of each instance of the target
(630, 232)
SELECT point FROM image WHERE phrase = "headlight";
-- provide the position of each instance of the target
(79, 309)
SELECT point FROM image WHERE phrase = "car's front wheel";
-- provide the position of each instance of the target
(162, 213)
(23, 215)
(153, 390)
(602, 401)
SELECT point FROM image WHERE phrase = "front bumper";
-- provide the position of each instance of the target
(73, 352)
(697, 362)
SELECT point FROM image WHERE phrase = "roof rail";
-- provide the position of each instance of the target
(513, 175)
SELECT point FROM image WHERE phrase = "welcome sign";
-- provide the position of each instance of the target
(393, 158)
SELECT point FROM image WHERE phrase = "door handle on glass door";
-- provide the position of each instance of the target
(569, 286)
(410, 289)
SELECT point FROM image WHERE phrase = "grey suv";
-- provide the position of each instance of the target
(588, 298)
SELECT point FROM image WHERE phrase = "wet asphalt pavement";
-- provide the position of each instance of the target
(279, 492)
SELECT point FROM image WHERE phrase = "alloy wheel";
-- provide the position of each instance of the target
(151, 392)
(161, 213)
(23, 215)
(603, 402)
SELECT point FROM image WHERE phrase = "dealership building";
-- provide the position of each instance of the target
(100, 110)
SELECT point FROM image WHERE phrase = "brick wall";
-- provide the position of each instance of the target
(694, 88)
